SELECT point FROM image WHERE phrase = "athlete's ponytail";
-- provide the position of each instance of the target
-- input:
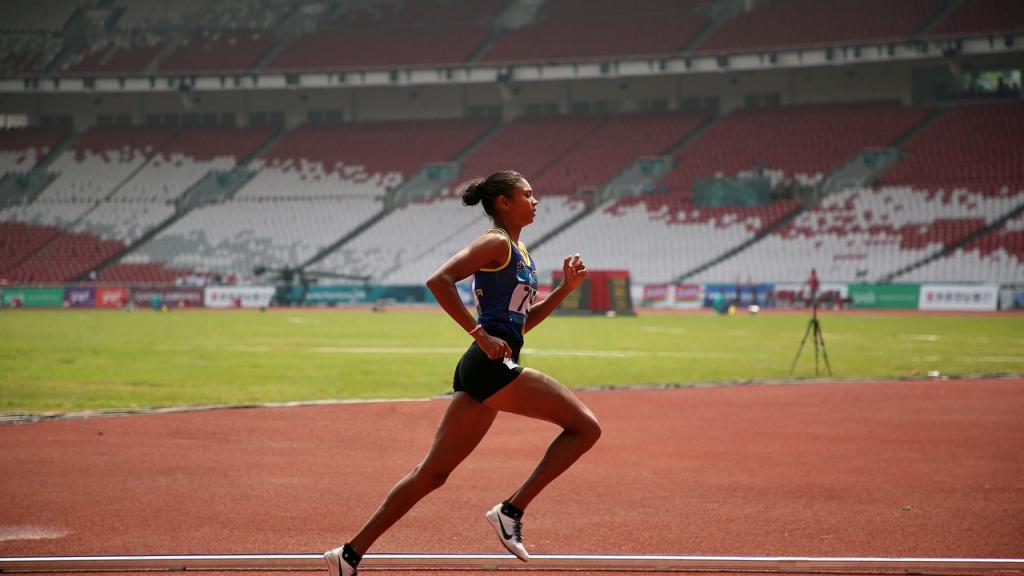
(487, 190)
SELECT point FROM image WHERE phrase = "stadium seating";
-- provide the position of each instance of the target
(995, 257)
(64, 258)
(974, 146)
(141, 274)
(801, 143)
(565, 152)
(642, 34)
(864, 235)
(124, 222)
(238, 235)
(26, 54)
(115, 54)
(981, 17)
(368, 159)
(410, 12)
(22, 148)
(37, 15)
(218, 51)
(101, 159)
(408, 244)
(87, 233)
(18, 241)
(334, 49)
(189, 156)
(806, 23)
(656, 244)
(612, 147)
(528, 145)
(220, 15)
(60, 214)
(567, 9)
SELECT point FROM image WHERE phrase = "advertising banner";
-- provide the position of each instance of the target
(982, 298)
(905, 296)
(80, 296)
(173, 297)
(238, 296)
(332, 295)
(656, 295)
(689, 296)
(739, 294)
(112, 297)
(34, 297)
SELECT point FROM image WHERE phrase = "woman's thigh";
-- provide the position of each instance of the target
(536, 395)
(463, 426)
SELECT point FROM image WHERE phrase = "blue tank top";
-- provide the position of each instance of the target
(504, 294)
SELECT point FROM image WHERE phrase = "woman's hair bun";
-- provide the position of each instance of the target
(471, 196)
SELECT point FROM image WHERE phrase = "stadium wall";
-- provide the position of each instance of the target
(720, 92)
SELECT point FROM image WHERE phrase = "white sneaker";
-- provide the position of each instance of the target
(336, 563)
(510, 531)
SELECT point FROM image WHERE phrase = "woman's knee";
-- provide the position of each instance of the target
(588, 428)
(429, 477)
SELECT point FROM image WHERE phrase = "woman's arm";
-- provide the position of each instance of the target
(487, 251)
(574, 272)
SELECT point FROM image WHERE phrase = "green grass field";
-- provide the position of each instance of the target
(64, 360)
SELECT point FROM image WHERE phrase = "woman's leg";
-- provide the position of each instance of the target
(463, 426)
(537, 395)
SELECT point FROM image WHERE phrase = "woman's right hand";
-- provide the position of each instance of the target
(494, 347)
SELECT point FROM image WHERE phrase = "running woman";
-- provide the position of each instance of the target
(488, 379)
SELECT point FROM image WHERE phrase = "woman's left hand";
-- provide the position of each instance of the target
(574, 271)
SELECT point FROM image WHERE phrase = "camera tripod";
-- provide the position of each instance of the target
(813, 326)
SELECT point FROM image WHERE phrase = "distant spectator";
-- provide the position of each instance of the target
(812, 286)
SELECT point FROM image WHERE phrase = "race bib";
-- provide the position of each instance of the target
(522, 298)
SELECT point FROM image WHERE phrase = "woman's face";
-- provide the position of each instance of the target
(522, 205)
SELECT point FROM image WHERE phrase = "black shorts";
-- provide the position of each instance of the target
(480, 377)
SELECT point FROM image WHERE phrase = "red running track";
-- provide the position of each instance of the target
(883, 469)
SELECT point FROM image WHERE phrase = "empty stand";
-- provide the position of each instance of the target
(656, 244)
(411, 12)
(975, 147)
(66, 257)
(100, 159)
(124, 222)
(219, 51)
(806, 23)
(18, 241)
(996, 257)
(864, 235)
(801, 143)
(60, 214)
(411, 242)
(37, 15)
(235, 236)
(189, 156)
(22, 148)
(567, 9)
(528, 145)
(981, 17)
(220, 15)
(612, 147)
(332, 49)
(26, 54)
(586, 36)
(117, 53)
(135, 274)
(367, 159)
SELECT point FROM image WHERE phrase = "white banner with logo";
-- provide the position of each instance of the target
(984, 297)
(237, 296)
